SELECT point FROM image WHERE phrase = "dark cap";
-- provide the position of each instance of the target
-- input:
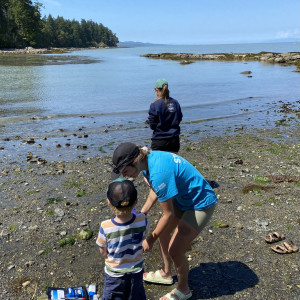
(120, 191)
(123, 156)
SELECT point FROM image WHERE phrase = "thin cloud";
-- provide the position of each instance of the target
(291, 33)
(53, 2)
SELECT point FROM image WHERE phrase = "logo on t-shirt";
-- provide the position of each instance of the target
(177, 159)
(161, 186)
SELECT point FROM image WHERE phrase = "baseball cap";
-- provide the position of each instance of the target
(123, 156)
(159, 83)
(120, 191)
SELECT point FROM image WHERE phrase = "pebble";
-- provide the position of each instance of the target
(25, 284)
(29, 263)
(239, 226)
(248, 259)
(262, 222)
(59, 212)
(33, 228)
(10, 267)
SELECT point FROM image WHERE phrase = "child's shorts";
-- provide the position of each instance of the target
(127, 287)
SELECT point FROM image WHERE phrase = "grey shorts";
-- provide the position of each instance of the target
(196, 218)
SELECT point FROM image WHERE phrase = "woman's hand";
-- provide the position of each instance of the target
(148, 243)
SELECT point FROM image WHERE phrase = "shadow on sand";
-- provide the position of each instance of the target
(211, 280)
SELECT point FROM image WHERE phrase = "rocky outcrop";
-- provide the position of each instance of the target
(289, 58)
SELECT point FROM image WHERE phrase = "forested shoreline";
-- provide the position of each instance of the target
(21, 26)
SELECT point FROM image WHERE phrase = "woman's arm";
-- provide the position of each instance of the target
(151, 199)
(167, 217)
(152, 117)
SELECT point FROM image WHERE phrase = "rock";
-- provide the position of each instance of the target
(262, 222)
(33, 228)
(239, 226)
(29, 263)
(10, 267)
(26, 283)
(246, 72)
(59, 212)
(85, 234)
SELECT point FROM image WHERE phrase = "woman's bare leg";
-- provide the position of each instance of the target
(164, 242)
(180, 243)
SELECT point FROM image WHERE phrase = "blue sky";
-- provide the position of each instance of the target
(189, 21)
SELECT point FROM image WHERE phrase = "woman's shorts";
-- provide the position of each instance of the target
(170, 145)
(196, 218)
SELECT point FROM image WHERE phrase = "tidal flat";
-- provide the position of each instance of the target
(51, 211)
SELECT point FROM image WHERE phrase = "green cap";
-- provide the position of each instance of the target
(160, 83)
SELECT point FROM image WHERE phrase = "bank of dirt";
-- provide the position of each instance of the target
(43, 207)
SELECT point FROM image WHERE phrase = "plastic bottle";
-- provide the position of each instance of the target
(92, 291)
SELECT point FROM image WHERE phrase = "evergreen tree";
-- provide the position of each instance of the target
(21, 26)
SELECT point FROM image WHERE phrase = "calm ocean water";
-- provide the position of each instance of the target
(63, 97)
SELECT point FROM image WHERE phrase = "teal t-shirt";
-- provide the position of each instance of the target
(172, 176)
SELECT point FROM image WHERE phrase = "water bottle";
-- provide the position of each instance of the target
(92, 291)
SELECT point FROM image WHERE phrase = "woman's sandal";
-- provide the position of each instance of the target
(177, 295)
(285, 248)
(274, 237)
(155, 277)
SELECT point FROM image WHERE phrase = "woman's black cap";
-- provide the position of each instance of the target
(123, 156)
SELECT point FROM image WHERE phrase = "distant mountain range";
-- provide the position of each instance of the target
(131, 44)
(136, 44)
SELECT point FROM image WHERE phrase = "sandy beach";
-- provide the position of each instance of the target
(50, 215)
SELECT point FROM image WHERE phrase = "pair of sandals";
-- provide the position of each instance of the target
(285, 247)
(156, 277)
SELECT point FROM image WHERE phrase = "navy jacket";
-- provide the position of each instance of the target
(164, 119)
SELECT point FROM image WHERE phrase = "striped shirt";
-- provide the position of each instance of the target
(124, 244)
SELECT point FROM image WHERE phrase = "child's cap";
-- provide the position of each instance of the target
(120, 191)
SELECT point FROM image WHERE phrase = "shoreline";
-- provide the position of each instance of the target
(50, 50)
(67, 144)
(44, 207)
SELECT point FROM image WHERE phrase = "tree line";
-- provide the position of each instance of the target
(21, 25)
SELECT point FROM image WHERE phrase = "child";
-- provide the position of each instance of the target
(120, 241)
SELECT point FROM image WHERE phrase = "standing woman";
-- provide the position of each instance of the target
(164, 118)
(187, 202)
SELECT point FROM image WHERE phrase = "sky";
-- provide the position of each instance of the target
(187, 21)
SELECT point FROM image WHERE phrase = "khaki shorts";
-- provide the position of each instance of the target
(196, 218)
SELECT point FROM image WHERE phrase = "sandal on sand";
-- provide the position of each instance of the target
(155, 277)
(274, 237)
(180, 296)
(285, 248)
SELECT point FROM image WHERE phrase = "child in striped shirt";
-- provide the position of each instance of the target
(120, 240)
